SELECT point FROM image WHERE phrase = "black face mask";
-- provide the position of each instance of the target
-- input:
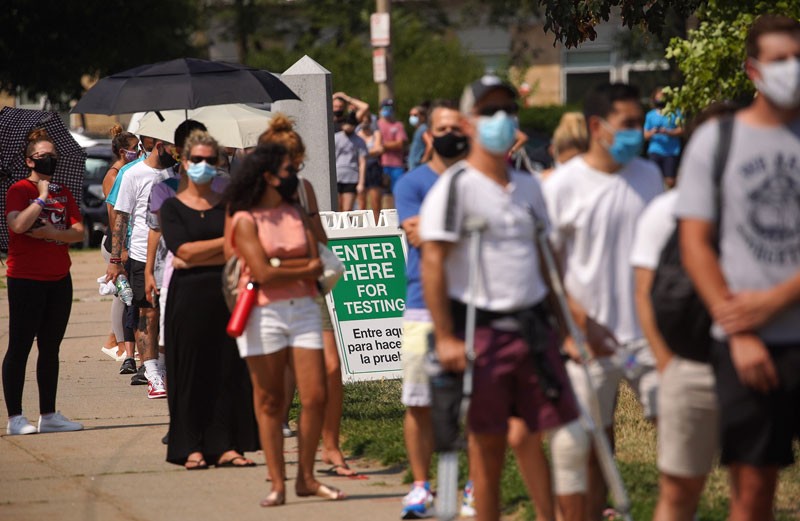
(660, 104)
(45, 165)
(338, 114)
(165, 159)
(288, 187)
(450, 145)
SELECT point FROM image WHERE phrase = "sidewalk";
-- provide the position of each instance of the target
(115, 468)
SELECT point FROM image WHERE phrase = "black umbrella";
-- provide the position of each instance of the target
(185, 83)
(15, 124)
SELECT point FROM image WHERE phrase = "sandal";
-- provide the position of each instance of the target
(324, 492)
(196, 464)
(233, 462)
(274, 499)
(342, 471)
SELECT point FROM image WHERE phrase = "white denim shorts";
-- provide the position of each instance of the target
(282, 324)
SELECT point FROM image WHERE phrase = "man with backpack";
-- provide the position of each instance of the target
(741, 248)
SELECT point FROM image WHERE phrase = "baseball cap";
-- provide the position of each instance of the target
(478, 89)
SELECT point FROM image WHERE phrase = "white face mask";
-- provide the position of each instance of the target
(780, 82)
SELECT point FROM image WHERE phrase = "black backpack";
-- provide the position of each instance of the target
(681, 315)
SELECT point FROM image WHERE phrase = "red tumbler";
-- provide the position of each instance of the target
(241, 311)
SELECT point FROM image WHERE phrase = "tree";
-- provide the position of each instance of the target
(573, 22)
(710, 58)
(428, 62)
(46, 46)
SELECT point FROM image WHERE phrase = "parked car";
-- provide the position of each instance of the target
(93, 206)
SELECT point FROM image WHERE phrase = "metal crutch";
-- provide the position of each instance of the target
(601, 444)
(447, 504)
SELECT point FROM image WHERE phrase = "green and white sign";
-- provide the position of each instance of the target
(367, 303)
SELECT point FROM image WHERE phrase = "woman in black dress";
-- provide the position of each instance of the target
(210, 397)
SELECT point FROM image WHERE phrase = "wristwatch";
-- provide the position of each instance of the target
(275, 262)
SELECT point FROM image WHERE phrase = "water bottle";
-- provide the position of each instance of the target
(124, 291)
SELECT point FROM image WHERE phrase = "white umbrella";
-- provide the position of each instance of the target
(235, 125)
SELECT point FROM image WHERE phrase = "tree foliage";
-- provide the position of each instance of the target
(573, 22)
(710, 58)
(46, 46)
(427, 62)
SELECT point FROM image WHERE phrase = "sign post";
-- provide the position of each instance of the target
(367, 303)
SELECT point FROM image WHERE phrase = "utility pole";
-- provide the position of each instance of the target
(386, 87)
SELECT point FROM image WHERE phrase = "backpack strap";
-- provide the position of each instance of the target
(721, 159)
(452, 201)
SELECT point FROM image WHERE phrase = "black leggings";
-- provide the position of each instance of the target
(36, 309)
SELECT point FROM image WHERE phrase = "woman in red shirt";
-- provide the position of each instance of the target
(43, 219)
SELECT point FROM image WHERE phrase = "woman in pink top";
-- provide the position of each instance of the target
(269, 234)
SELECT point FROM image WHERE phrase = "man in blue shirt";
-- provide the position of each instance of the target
(449, 146)
(664, 133)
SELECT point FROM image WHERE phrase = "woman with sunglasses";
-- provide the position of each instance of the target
(43, 218)
(125, 147)
(270, 234)
(210, 398)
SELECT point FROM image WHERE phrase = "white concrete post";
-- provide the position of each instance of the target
(314, 122)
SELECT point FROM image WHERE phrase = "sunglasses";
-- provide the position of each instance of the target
(211, 160)
(490, 110)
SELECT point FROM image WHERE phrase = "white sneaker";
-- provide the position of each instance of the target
(156, 388)
(19, 425)
(56, 422)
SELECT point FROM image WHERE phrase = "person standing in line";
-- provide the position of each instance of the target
(740, 245)
(688, 415)
(394, 142)
(211, 419)
(570, 139)
(664, 131)
(594, 202)
(281, 131)
(43, 219)
(373, 180)
(510, 377)
(125, 147)
(132, 207)
(351, 163)
(450, 145)
(418, 119)
(269, 233)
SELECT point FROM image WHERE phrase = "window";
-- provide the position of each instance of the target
(579, 83)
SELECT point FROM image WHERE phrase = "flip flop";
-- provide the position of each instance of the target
(232, 462)
(336, 472)
(198, 464)
(324, 492)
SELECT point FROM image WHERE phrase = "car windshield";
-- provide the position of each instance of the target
(96, 168)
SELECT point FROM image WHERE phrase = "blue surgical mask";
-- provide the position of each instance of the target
(627, 144)
(386, 112)
(413, 120)
(497, 133)
(201, 173)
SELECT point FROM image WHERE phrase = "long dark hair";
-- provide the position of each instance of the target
(247, 184)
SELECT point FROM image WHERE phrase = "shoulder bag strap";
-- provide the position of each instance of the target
(725, 126)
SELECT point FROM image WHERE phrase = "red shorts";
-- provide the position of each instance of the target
(505, 384)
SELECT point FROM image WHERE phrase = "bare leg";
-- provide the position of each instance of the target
(486, 454)
(266, 375)
(533, 467)
(289, 385)
(331, 452)
(147, 334)
(678, 497)
(309, 366)
(346, 201)
(375, 196)
(752, 492)
(111, 341)
(598, 490)
(418, 433)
